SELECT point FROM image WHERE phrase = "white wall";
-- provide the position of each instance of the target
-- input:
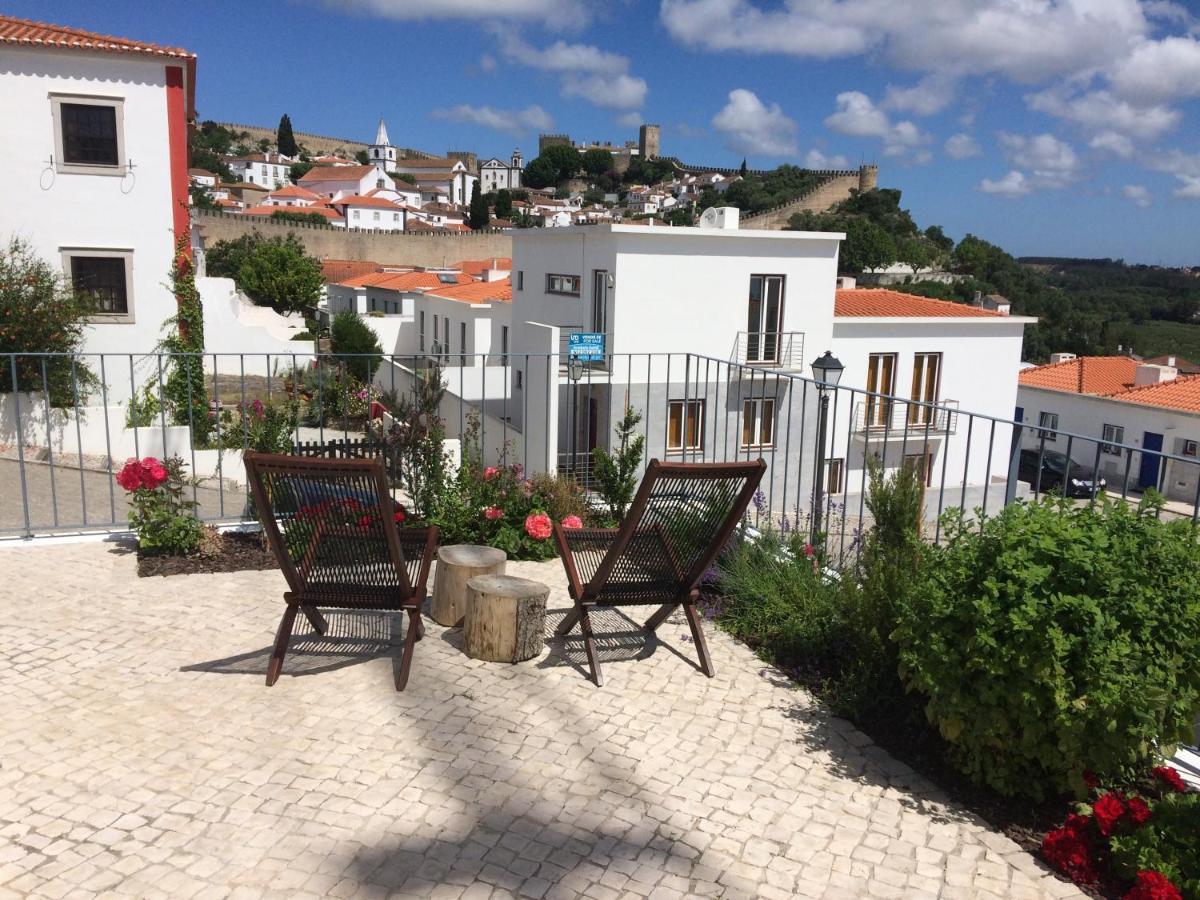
(55, 210)
(364, 217)
(232, 324)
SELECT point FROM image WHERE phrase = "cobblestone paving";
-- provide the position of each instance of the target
(143, 756)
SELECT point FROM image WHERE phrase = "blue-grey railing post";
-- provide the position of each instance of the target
(20, 445)
(1014, 458)
(819, 470)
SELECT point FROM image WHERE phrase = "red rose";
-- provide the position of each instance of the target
(159, 475)
(572, 522)
(538, 527)
(130, 476)
(490, 472)
(1090, 779)
(492, 513)
(364, 522)
(1068, 851)
(1152, 885)
(1170, 778)
(1139, 811)
(398, 516)
(1108, 810)
(809, 551)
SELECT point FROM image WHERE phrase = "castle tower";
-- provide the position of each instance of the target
(868, 176)
(382, 154)
(648, 138)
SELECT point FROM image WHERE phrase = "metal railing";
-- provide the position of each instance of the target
(770, 349)
(68, 422)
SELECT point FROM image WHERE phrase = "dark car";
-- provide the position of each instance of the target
(1081, 479)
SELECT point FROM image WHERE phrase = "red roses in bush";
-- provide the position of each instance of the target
(148, 473)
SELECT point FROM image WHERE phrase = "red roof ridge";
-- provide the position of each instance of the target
(14, 30)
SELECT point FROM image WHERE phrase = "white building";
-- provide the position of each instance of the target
(496, 174)
(334, 181)
(440, 177)
(382, 154)
(1131, 406)
(371, 212)
(270, 169)
(97, 127)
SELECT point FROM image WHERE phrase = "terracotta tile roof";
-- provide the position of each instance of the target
(403, 281)
(375, 202)
(476, 267)
(1101, 375)
(336, 173)
(1182, 394)
(439, 162)
(202, 173)
(39, 34)
(878, 302)
(267, 210)
(294, 190)
(1185, 366)
(477, 292)
(338, 270)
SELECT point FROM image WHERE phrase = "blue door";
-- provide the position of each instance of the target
(1148, 472)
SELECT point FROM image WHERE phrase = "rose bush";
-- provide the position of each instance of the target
(160, 514)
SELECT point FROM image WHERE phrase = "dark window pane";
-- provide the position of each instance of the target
(89, 134)
(103, 279)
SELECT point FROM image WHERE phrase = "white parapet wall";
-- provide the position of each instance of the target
(234, 326)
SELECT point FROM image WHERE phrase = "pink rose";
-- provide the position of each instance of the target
(159, 475)
(572, 522)
(490, 472)
(538, 527)
(493, 513)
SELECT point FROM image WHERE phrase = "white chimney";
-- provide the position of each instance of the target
(1061, 357)
(1148, 373)
(846, 283)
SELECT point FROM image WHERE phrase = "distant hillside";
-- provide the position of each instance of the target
(320, 144)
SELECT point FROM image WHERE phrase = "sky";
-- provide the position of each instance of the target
(1050, 127)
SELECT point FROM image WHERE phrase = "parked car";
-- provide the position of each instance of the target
(1082, 480)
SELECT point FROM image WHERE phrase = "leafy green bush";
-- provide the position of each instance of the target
(263, 427)
(616, 473)
(301, 336)
(1169, 843)
(1050, 640)
(159, 512)
(275, 272)
(143, 409)
(356, 345)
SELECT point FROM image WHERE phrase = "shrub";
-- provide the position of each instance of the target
(275, 272)
(143, 409)
(356, 345)
(159, 514)
(1054, 640)
(184, 390)
(265, 428)
(301, 336)
(616, 473)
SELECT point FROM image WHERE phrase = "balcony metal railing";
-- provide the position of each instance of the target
(770, 349)
(890, 416)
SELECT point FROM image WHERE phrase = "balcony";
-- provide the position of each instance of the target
(783, 350)
(887, 418)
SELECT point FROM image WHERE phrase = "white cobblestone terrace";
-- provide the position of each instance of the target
(143, 756)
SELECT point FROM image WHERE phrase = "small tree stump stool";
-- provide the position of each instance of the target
(458, 564)
(505, 618)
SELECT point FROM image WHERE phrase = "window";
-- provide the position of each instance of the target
(836, 469)
(504, 340)
(926, 372)
(520, 379)
(520, 279)
(1189, 448)
(102, 275)
(562, 284)
(421, 332)
(881, 379)
(462, 338)
(600, 301)
(685, 425)
(1048, 426)
(446, 336)
(375, 216)
(434, 348)
(758, 423)
(764, 318)
(88, 134)
(1111, 436)
(395, 217)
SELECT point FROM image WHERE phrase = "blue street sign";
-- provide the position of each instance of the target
(586, 345)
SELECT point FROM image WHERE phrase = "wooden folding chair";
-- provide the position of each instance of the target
(680, 519)
(331, 526)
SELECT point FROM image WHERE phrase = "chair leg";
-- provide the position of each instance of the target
(693, 617)
(282, 635)
(589, 645)
(660, 616)
(410, 642)
(568, 622)
(320, 626)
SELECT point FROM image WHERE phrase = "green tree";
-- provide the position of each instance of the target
(297, 215)
(278, 273)
(742, 170)
(597, 161)
(477, 215)
(201, 198)
(299, 169)
(210, 144)
(616, 473)
(566, 160)
(935, 235)
(263, 145)
(361, 156)
(540, 173)
(285, 141)
(355, 345)
(184, 389)
(504, 207)
(867, 246)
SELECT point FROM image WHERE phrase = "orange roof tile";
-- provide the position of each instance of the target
(1101, 375)
(476, 267)
(477, 292)
(337, 270)
(403, 281)
(40, 34)
(336, 173)
(376, 202)
(1182, 394)
(294, 190)
(879, 302)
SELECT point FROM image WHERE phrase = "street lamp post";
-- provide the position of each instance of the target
(574, 373)
(827, 372)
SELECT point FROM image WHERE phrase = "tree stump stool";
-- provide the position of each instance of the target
(458, 564)
(505, 618)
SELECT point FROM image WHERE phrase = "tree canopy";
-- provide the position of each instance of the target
(285, 141)
(477, 213)
(275, 272)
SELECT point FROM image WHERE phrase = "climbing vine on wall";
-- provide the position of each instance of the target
(184, 388)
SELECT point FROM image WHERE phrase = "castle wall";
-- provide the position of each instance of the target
(320, 144)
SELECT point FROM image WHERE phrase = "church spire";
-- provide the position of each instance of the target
(381, 135)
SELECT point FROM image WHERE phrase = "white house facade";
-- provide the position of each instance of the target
(269, 169)
(334, 181)
(496, 174)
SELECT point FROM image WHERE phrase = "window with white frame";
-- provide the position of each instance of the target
(1189, 448)
(446, 336)
(562, 284)
(758, 423)
(836, 469)
(1048, 426)
(504, 340)
(1112, 436)
(105, 277)
(520, 279)
(685, 425)
(462, 338)
(88, 134)
(435, 334)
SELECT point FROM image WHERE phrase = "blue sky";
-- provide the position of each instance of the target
(1051, 127)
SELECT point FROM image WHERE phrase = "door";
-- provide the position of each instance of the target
(926, 373)
(1151, 462)
(600, 302)
(764, 318)
(881, 379)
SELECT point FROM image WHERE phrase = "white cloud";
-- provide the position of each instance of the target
(1052, 162)
(516, 122)
(1014, 184)
(1099, 111)
(815, 159)
(1138, 194)
(1190, 189)
(598, 76)
(752, 127)
(551, 13)
(858, 116)
(930, 95)
(487, 63)
(631, 119)
(961, 146)
(1159, 71)
(1184, 166)
(1110, 142)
